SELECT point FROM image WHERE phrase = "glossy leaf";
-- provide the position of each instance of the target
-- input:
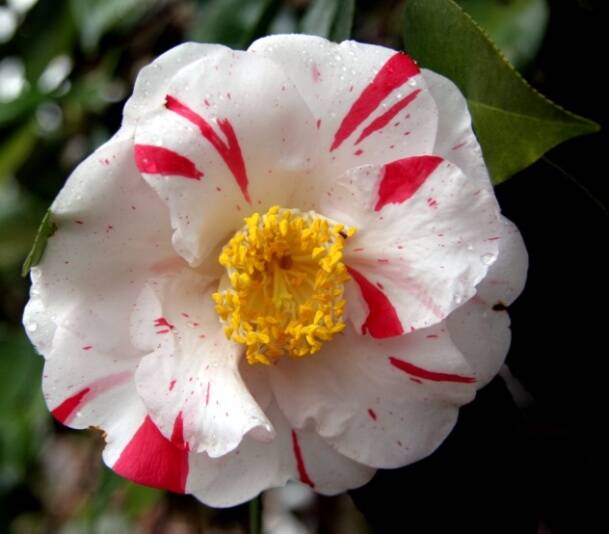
(515, 124)
(331, 19)
(517, 26)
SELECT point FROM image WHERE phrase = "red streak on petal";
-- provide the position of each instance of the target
(300, 465)
(177, 435)
(419, 372)
(382, 320)
(159, 160)
(64, 412)
(229, 151)
(402, 178)
(207, 394)
(372, 413)
(383, 120)
(172, 384)
(395, 72)
(152, 460)
(87, 347)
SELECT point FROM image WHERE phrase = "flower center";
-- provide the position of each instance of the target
(283, 293)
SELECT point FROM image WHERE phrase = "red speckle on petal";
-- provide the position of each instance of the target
(207, 394)
(382, 320)
(172, 384)
(425, 374)
(402, 178)
(315, 74)
(164, 324)
(318, 123)
(300, 465)
(372, 414)
(159, 160)
(358, 152)
(394, 73)
(432, 202)
(153, 460)
(87, 347)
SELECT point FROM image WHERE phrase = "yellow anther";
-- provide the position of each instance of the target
(286, 282)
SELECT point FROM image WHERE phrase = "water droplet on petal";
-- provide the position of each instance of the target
(487, 259)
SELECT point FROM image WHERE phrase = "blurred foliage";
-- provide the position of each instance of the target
(65, 73)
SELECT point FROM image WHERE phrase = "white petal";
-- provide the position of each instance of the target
(254, 466)
(232, 136)
(151, 83)
(481, 327)
(190, 379)
(383, 403)
(455, 140)
(371, 103)
(112, 233)
(426, 237)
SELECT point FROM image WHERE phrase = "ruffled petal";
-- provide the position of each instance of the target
(112, 233)
(231, 136)
(298, 455)
(455, 140)
(426, 236)
(190, 379)
(481, 327)
(371, 103)
(382, 403)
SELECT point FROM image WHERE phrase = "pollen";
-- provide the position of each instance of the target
(283, 289)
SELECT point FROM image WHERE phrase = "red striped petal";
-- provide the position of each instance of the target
(402, 178)
(394, 73)
(382, 320)
(419, 372)
(230, 152)
(300, 465)
(152, 460)
(383, 120)
(159, 160)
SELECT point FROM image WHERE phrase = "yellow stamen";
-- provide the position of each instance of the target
(285, 279)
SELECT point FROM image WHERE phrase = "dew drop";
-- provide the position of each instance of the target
(487, 259)
(31, 326)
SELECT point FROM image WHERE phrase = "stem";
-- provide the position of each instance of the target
(255, 514)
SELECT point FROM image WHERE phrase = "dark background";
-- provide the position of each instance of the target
(519, 461)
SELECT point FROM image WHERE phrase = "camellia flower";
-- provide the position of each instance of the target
(289, 263)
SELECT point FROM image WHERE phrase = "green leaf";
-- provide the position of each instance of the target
(332, 19)
(514, 123)
(516, 26)
(47, 229)
(234, 23)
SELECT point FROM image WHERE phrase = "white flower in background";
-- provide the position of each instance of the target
(289, 263)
